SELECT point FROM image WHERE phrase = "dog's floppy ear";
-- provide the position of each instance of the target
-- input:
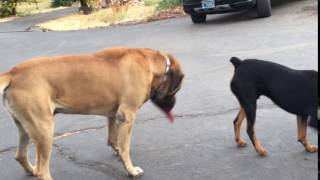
(175, 76)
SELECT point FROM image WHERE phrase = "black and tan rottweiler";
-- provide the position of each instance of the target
(293, 90)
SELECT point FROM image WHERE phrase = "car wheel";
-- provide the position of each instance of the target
(198, 18)
(263, 8)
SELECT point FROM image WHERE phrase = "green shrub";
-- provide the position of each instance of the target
(57, 3)
(151, 2)
(168, 4)
(6, 8)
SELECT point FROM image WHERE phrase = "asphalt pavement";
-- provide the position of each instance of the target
(200, 144)
(27, 23)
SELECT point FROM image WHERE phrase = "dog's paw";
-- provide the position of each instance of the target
(136, 172)
(31, 172)
(28, 167)
(241, 143)
(262, 152)
(44, 177)
(312, 149)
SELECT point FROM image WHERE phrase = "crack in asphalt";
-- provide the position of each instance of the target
(206, 114)
(108, 169)
(8, 149)
(61, 135)
(97, 166)
(92, 129)
(79, 131)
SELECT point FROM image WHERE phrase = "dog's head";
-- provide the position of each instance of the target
(164, 97)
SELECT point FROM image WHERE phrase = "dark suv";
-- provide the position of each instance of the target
(198, 9)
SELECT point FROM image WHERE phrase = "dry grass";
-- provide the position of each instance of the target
(7, 19)
(25, 9)
(100, 18)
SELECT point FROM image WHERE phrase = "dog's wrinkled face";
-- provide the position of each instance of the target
(165, 98)
(166, 104)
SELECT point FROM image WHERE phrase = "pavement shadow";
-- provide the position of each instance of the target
(276, 4)
(247, 15)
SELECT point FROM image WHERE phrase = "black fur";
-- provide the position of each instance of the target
(166, 104)
(295, 91)
(235, 61)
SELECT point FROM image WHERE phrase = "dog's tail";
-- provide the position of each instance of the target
(5, 80)
(235, 61)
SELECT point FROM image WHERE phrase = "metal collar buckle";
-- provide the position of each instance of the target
(168, 64)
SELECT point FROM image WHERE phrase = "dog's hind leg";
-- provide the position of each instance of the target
(38, 122)
(302, 135)
(250, 111)
(39, 126)
(22, 149)
(237, 128)
(24, 138)
(112, 135)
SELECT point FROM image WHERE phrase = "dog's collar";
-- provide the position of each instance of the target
(167, 68)
(165, 75)
(168, 64)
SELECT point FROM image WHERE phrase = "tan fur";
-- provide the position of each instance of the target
(302, 136)
(240, 142)
(237, 128)
(257, 145)
(113, 82)
(4, 82)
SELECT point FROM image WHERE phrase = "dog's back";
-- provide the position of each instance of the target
(293, 90)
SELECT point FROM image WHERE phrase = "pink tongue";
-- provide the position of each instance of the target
(170, 116)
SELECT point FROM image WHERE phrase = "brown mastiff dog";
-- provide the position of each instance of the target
(114, 83)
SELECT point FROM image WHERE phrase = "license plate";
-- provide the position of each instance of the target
(208, 3)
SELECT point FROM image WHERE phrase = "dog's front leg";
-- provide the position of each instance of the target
(112, 134)
(124, 139)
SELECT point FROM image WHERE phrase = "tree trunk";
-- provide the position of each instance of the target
(14, 11)
(108, 3)
(14, 7)
(84, 7)
(105, 3)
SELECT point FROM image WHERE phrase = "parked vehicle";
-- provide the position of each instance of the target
(199, 9)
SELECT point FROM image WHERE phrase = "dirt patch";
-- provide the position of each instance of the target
(168, 14)
(105, 18)
(7, 19)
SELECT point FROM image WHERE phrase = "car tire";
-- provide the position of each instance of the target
(198, 18)
(263, 8)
